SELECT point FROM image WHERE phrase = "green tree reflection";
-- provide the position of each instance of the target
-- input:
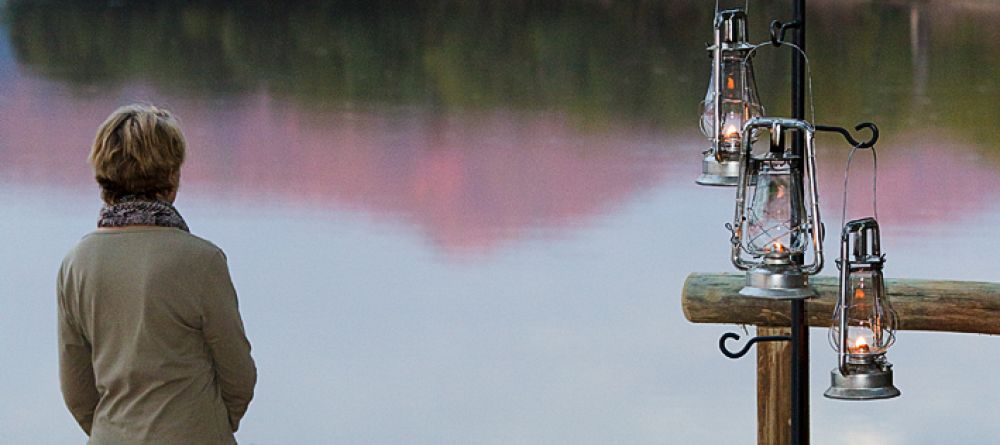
(595, 60)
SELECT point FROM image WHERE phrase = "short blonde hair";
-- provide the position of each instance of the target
(138, 151)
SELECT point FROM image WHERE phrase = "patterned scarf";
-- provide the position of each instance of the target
(132, 211)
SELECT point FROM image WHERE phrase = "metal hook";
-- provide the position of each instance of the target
(746, 348)
(778, 30)
(850, 139)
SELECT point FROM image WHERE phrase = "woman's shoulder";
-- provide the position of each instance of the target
(164, 239)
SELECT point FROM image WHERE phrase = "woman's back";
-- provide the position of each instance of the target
(151, 312)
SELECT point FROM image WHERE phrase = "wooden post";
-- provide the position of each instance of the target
(774, 378)
(922, 305)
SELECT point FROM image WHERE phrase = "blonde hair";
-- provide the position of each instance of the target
(138, 151)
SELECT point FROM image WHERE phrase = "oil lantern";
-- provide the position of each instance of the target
(864, 323)
(731, 100)
(777, 213)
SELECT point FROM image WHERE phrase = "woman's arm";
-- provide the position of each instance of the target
(223, 329)
(76, 371)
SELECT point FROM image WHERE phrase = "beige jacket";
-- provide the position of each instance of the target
(151, 344)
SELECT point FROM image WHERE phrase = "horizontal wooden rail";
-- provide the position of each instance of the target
(922, 305)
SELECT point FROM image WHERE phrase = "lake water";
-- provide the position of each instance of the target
(454, 222)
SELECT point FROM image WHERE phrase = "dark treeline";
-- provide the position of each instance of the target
(526, 54)
(637, 60)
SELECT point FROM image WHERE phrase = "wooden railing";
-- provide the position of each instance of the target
(922, 305)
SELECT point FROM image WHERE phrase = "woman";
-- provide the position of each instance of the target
(151, 344)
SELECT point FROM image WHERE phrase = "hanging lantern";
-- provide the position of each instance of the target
(772, 231)
(731, 100)
(864, 323)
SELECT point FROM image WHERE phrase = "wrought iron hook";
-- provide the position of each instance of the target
(778, 30)
(746, 348)
(850, 139)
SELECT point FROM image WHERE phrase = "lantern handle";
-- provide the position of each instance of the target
(746, 348)
(850, 139)
(870, 144)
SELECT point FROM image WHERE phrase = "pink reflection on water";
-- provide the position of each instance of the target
(468, 181)
(926, 180)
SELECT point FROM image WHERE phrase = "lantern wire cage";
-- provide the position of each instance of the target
(772, 224)
(883, 328)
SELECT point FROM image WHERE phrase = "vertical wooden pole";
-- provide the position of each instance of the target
(774, 379)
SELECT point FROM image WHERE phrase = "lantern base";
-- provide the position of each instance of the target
(713, 172)
(778, 282)
(871, 382)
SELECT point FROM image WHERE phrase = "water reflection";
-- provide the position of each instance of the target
(497, 125)
(468, 181)
(595, 60)
(341, 150)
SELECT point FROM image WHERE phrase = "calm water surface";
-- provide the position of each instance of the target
(461, 223)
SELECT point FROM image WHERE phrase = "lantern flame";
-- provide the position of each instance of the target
(778, 247)
(730, 83)
(861, 345)
(730, 131)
